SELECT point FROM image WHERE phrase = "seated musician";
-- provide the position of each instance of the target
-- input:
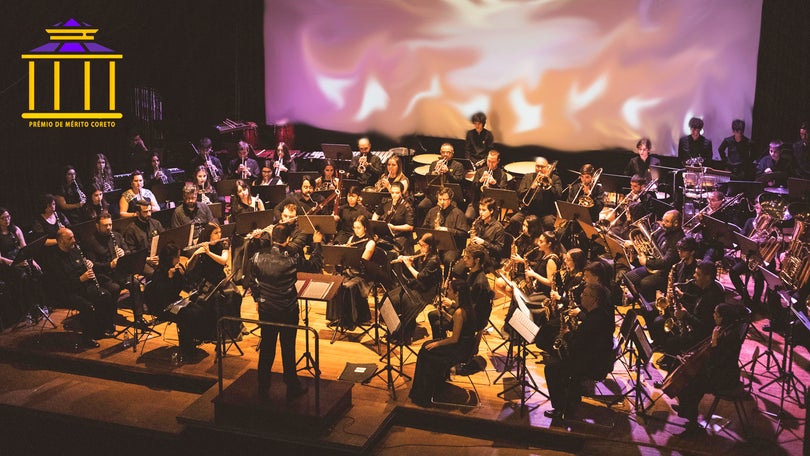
(478, 140)
(697, 300)
(366, 167)
(587, 193)
(206, 193)
(537, 192)
(74, 279)
(348, 214)
(634, 206)
(682, 272)
(524, 248)
(128, 204)
(48, 222)
(157, 174)
(441, 171)
(721, 371)
(102, 247)
(272, 275)
(489, 175)
(269, 176)
(350, 307)
(194, 322)
(23, 285)
(436, 357)
(774, 163)
(305, 202)
(213, 257)
(69, 195)
(95, 206)
(446, 216)
(328, 179)
(586, 353)
(487, 231)
(641, 163)
(398, 213)
(425, 278)
(243, 167)
(710, 249)
(192, 211)
(243, 201)
(475, 262)
(651, 276)
(138, 235)
(393, 174)
(206, 158)
(748, 265)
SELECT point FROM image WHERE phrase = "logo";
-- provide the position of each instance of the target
(71, 79)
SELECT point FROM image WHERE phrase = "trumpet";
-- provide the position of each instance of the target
(440, 167)
(361, 164)
(402, 258)
(485, 176)
(381, 183)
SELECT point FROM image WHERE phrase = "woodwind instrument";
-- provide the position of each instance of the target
(401, 259)
(355, 243)
(80, 193)
(116, 248)
(338, 192)
(87, 264)
(437, 222)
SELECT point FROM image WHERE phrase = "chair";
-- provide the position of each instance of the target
(473, 399)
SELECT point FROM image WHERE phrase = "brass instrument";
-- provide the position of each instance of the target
(381, 183)
(585, 199)
(440, 163)
(362, 162)
(543, 181)
(796, 265)
(766, 233)
(488, 174)
(630, 199)
(642, 238)
(691, 225)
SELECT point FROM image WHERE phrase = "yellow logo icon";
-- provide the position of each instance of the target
(72, 41)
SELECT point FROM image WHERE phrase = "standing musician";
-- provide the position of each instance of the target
(73, 275)
(437, 356)
(284, 162)
(425, 279)
(138, 235)
(490, 175)
(735, 152)
(348, 214)
(366, 167)
(586, 352)
(328, 179)
(697, 299)
(69, 195)
(651, 276)
(641, 163)
(721, 371)
(524, 248)
(540, 190)
(243, 167)
(441, 171)
(210, 162)
(129, 202)
(95, 205)
(305, 202)
(48, 222)
(350, 307)
(268, 176)
(445, 216)
(398, 213)
(487, 231)
(587, 193)
(272, 276)
(393, 174)
(103, 249)
(694, 146)
(192, 211)
(157, 174)
(566, 290)
(478, 140)
(539, 277)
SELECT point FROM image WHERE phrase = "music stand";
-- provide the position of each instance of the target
(749, 248)
(270, 195)
(571, 211)
(614, 183)
(246, 222)
(752, 189)
(314, 287)
(643, 352)
(506, 199)
(526, 330)
(31, 251)
(337, 151)
(131, 265)
(798, 189)
(468, 164)
(181, 236)
(659, 208)
(346, 257)
(445, 241)
(391, 320)
(458, 196)
(226, 187)
(164, 216)
(372, 199)
(326, 224)
(381, 229)
(719, 230)
(773, 284)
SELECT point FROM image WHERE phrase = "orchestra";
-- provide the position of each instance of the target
(572, 284)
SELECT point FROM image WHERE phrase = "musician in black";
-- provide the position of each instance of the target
(23, 285)
(524, 248)
(489, 175)
(244, 167)
(537, 193)
(95, 206)
(350, 306)
(697, 300)
(138, 235)
(478, 140)
(348, 214)
(487, 231)
(157, 174)
(721, 372)
(773, 163)
(268, 176)
(651, 276)
(682, 272)
(284, 163)
(372, 167)
(423, 278)
(306, 202)
(48, 222)
(446, 216)
(633, 207)
(192, 211)
(710, 248)
(801, 153)
(747, 265)
(441, 171)
(587, 193)
(735, 152)
(103, 249)
(69, 195)
(272, 276)
(206, 158)
(398, 213)
(243, 202)
(695, 146)
(74, 279)
(641, 163)
(586, 353)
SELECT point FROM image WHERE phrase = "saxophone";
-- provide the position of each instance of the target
(568, 323)
(666, 304)
(437, 222)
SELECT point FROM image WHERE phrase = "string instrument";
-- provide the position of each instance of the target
(691, 365)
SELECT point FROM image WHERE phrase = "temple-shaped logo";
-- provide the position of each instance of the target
(72, 44)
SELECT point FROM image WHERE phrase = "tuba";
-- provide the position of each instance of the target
(796, 265)
(766, 233)
(642, 238)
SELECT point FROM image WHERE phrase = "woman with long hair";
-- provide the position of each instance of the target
(70, 196)
(328, 179)
(206, 193)
(102, 174)
(48, 222)
(350, 308)
(422, 286)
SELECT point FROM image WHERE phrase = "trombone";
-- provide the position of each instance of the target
(544, 182)
(585, 200)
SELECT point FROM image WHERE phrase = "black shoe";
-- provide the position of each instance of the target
(554, 414)
(109, 333)
(89, 343)
(692, 430)
(296, 391)
(658, 385)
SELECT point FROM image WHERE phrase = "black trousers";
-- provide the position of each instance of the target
(96, 311)
(267, 347)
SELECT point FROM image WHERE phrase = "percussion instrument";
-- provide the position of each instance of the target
(520, 168)
(776, 190)
(421, 170)
(425, 159)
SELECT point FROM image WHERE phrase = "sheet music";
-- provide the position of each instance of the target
(521, 300)
(524, 325)
(300, 285)
(317, 290)
(153, 247)
(389, 315)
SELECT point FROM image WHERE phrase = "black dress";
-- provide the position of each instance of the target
(350, 306)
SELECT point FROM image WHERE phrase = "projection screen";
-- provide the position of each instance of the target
(570, 75)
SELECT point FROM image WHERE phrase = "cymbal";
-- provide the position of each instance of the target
(767, 177)
(776, 190)
(425, 159)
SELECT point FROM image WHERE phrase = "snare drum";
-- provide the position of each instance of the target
(422, 170)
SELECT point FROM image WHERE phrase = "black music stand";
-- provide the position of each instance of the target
(798, 189)
(458, 195)
(506, 199)
(131, 265)
(614, 183)
(231, 337)
(314, 287)
(378, 270)
(752, 189)
(270, 195)
(773, 284)
(641, 347)
(181, 236)
(326, 224)
(337, 151)
(226, 187)
(719, 230)
(246, 222)
(571, 211)
(613, 248)
(372, 199)
(445, 241)
(381, 229)
(391, 320)
(121, 224)
(31, 251)
(345, 257)
(526, 330)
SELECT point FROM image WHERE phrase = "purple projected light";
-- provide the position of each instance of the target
(569, 75)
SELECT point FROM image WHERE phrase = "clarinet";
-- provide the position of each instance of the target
(84, 258)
